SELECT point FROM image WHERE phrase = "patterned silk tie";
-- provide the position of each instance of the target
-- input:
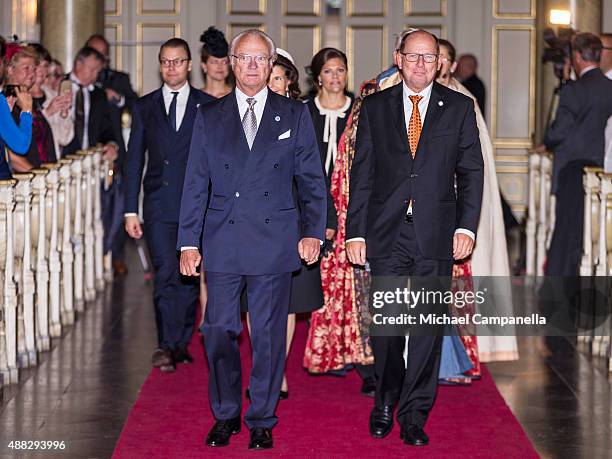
(249, 122)
(414, 126)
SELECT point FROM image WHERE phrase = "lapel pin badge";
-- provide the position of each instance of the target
(440, 103)
(277, 118)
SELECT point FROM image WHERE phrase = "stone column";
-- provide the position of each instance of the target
(67, 24)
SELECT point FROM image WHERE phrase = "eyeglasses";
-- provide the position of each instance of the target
(414, 57)
(245, 59)
(172, 62)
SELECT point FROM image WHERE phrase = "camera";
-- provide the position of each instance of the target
(9, 90)
(559, 48)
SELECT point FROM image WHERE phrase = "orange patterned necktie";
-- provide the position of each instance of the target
(414, 126)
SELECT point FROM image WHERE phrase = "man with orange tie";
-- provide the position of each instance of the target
(415, 196)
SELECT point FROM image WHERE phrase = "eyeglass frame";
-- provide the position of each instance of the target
(178, 62)
(248, 59)
(436, 57)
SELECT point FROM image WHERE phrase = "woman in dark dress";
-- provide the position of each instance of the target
(333, 342)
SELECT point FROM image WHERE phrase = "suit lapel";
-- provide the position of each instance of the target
(190, 112)
(160, 113)
(268, 129)
(396, 101)
(231, 123)
(434, 110)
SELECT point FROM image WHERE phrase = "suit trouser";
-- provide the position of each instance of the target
(412, 386)
(175, 296)
(268, 297)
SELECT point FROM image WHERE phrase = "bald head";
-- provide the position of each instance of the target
(419, 35)
(466, 66)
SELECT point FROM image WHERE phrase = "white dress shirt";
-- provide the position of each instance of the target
(258, 108)
(86, 105)
(423, 104)
(181, 101)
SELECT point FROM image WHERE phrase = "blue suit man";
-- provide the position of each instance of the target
(239, 209)
(161, 129)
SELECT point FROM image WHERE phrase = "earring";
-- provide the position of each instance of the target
(320, 84)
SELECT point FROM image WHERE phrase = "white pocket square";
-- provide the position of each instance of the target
(285, 135)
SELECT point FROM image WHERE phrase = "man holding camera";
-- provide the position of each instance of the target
(576, 137)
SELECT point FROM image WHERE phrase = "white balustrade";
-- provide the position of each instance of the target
(55, 265)
(41, 267)
(26, 329)
(8, 331)
(67, 298)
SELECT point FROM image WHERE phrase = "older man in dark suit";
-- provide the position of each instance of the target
(250, 147)
(415, 195)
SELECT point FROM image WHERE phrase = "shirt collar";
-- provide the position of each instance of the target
(587, 69)
(425, 92)
(182, 91)
(609, 74)
(74, 79)
(259, 97)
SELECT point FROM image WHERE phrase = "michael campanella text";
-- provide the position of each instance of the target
(467, 319)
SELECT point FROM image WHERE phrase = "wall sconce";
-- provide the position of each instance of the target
(560, 17)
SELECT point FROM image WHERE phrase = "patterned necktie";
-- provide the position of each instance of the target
(249, 122)
(79, 119)
(172, 111)
(414, 126)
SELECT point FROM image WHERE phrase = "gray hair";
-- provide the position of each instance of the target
(254, 33)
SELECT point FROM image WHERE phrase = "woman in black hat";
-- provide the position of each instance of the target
(215, 63)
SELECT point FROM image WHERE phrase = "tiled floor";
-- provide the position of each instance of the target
(84, 389)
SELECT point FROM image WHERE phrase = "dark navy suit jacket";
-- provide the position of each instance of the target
(243, 199)
(384, 176)
(167, 155)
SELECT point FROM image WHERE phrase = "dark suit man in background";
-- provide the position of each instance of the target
(121, 97)
(414, 141)
(467, 65)
(576, 137)
(161, 132)
(93, 125)
(250, 147)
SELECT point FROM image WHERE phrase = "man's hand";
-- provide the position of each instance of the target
(540, 148)
(329, 234)
(112, 95)
(132, 227)
(462, 246)
(356, 252)
(190, 261)
(309, 249)
(110, 151)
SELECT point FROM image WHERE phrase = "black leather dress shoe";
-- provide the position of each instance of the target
(368, 388)
(381, 421)
(221, 432)
(164, 360)
(182, 355)
(414, 435)
(261, 438)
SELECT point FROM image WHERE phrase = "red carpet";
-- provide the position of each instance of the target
(325, 416)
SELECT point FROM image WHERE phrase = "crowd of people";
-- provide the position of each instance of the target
(271, 201)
